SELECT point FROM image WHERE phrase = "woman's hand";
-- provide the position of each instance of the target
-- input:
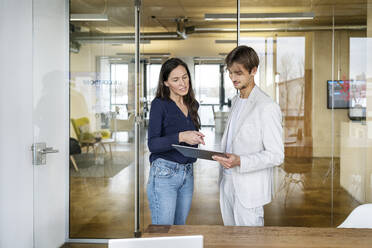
(191, 137)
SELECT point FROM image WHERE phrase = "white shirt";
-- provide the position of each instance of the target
(234, 119)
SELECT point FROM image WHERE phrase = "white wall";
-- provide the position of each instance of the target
(33, 48)
(16, 181)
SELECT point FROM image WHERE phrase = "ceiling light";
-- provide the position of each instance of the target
(88, 17)
(225, 41)
(115, 59)
(244, 40)
(157, 54)
(261, 16)
(207, 59)
(110, 40)
(148, 54)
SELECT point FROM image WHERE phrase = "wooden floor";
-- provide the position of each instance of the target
(306, 195)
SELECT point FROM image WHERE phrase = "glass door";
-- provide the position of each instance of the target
(104, 144)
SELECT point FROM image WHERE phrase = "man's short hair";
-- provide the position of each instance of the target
(243, 55)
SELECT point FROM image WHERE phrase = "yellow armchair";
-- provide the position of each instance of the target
(86, 138)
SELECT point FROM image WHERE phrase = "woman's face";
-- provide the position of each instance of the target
(178, 82)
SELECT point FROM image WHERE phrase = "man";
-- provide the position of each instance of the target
(253, 143)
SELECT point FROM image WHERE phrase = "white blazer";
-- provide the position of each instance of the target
(258, 140)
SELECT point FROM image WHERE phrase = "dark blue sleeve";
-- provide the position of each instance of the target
(157, 142)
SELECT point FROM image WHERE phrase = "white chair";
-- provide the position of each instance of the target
(195, 241)
(360, 217)
(118, 125)
(122, 125)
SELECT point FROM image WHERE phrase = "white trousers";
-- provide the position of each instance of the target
(233, 212)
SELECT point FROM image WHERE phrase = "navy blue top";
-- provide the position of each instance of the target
(165, 124)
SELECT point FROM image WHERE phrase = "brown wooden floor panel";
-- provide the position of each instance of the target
(103, 207)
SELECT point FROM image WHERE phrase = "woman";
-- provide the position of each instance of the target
(173, 120)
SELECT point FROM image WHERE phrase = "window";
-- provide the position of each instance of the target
(152, 76)
(207, 91)
(119, 90)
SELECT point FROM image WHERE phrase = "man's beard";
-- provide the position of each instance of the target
(244, 87)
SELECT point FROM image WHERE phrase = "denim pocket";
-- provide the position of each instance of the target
(163, 171)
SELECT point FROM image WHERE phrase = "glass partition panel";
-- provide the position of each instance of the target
(316, 67)
(353, 140)
(306, 63)
(102, 119)
(179, 29)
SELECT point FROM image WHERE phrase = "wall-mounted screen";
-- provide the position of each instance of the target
(338, 94)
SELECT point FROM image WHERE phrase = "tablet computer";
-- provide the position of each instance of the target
(193, 152)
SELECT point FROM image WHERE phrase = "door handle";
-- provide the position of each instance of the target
(39, 152)
(48, 150)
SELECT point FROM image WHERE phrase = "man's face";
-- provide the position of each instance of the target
(240, 76)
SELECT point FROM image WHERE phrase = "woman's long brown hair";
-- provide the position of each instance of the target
(163, 91)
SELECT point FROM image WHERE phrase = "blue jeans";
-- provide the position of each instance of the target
(169, 191)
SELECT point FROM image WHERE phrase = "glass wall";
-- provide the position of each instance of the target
(316, 67)
(102, 119)
(315, 79)
(352, 80)
(179, 29)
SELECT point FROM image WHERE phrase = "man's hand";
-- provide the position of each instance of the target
(231, 161)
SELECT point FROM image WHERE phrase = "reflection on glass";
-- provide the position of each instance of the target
(291, 68)
(355, 166)
(103, 127)
(358, 79)
(101, 104)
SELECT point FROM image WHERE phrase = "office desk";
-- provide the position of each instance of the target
(270, 237)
